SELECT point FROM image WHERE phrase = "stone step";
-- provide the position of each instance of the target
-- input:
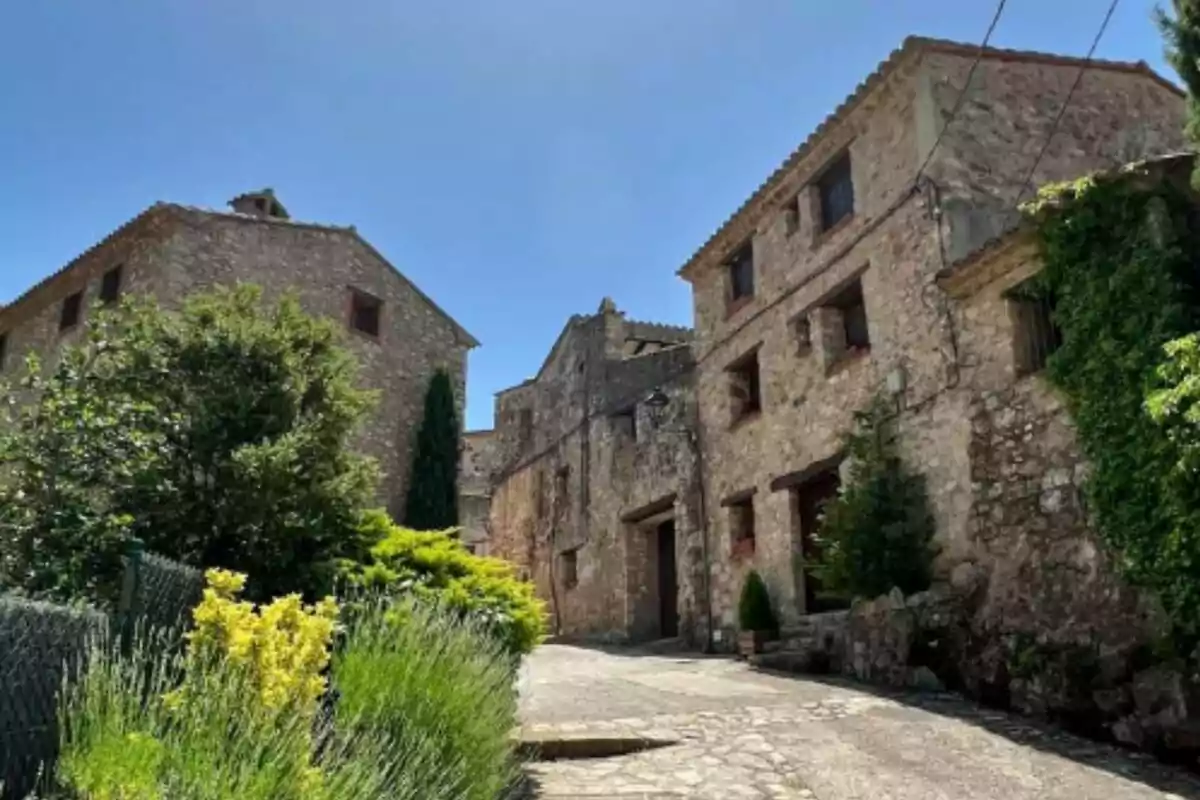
(805, 661)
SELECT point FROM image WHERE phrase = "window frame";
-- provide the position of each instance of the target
(741, 258)
(569, 567)
(742, 409)
(840, 166)
(109, 294)
(70, 312)
(1035, 335)
(361, 301)
(743, 524)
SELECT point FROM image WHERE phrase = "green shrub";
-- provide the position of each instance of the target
(754, 605)
(440, 687)
(217, 435)
(877, 534)
(435, 567)
(123, 738)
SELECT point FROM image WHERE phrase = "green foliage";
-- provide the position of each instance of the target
(216, 435)
(1119, 258)
(123, 738)
(877, 534)
(433, 488)
(1182, 32)
(435, 566)
(754, 605)
(441, 688)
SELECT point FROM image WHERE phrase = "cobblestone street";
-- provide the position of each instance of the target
(743, 734)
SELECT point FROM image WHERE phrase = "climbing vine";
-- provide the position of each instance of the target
(1120, 254)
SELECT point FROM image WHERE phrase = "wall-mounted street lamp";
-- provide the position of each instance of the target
(656, 404)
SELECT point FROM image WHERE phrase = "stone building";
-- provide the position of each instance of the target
(821, 292)
(477, 468)
(399, 336)
(598, 498)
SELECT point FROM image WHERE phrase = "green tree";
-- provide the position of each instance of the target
(1182, 32)
(217, 435)
(877, 534)
(433, 483)
(754, 605)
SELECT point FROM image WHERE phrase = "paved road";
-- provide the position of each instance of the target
(744, 734)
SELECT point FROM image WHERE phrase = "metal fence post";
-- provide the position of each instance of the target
(131, 584)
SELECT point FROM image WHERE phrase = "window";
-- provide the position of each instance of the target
(524, 427)
(3, 349)
(741, 525)
(71, 307)
(561, 481)
(365, 312)
(802, 332)
(570, 568)
(1035, 335)
(835, 193)
(744, 391)
(854, 316)
(741, 273)
(110, 286)
(791, 216)
(625, 422)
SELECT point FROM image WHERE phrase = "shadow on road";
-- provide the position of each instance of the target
(1105, 756)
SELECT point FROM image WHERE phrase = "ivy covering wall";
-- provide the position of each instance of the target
(1120, 257)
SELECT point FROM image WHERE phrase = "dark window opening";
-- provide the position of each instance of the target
(802, 329)
(625, 422)
(71, 308)
(741, 273)
(791, 216)
(744, 386)
(3, 350)
(570, 568)
(260, 204)
(1035, 334)
(110, 286)
(854, 336)
(741, 527)
(835, 190)
(524, 427)
(365, 312)
(561, 479)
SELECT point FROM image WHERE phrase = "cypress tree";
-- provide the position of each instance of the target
(433, 483)
(1182, 32)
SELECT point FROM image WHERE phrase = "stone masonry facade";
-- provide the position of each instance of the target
(170, 251)
(844, 246)
(597, 499)
(477, 467)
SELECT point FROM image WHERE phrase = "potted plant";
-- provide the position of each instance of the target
(756, 620)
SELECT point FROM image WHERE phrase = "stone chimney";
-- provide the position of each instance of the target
(262, 203)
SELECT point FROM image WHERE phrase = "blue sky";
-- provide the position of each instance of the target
(518, 160)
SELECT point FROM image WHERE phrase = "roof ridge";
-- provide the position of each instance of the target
(912, 45)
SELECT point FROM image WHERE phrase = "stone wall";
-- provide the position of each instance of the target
(476, 470)
(585, 485)
(922, 354)
(171, 251)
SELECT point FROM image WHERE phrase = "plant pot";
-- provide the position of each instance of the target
(751, 642)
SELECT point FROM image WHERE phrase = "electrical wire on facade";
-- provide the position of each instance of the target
(1027, 184)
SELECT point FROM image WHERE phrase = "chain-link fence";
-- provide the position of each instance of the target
(40, 642)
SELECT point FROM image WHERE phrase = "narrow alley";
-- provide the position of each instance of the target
(738, 733)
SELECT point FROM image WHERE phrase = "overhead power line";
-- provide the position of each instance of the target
(962, 94)
(1027, 184)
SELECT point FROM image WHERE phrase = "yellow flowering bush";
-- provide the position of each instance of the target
(281, 648)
